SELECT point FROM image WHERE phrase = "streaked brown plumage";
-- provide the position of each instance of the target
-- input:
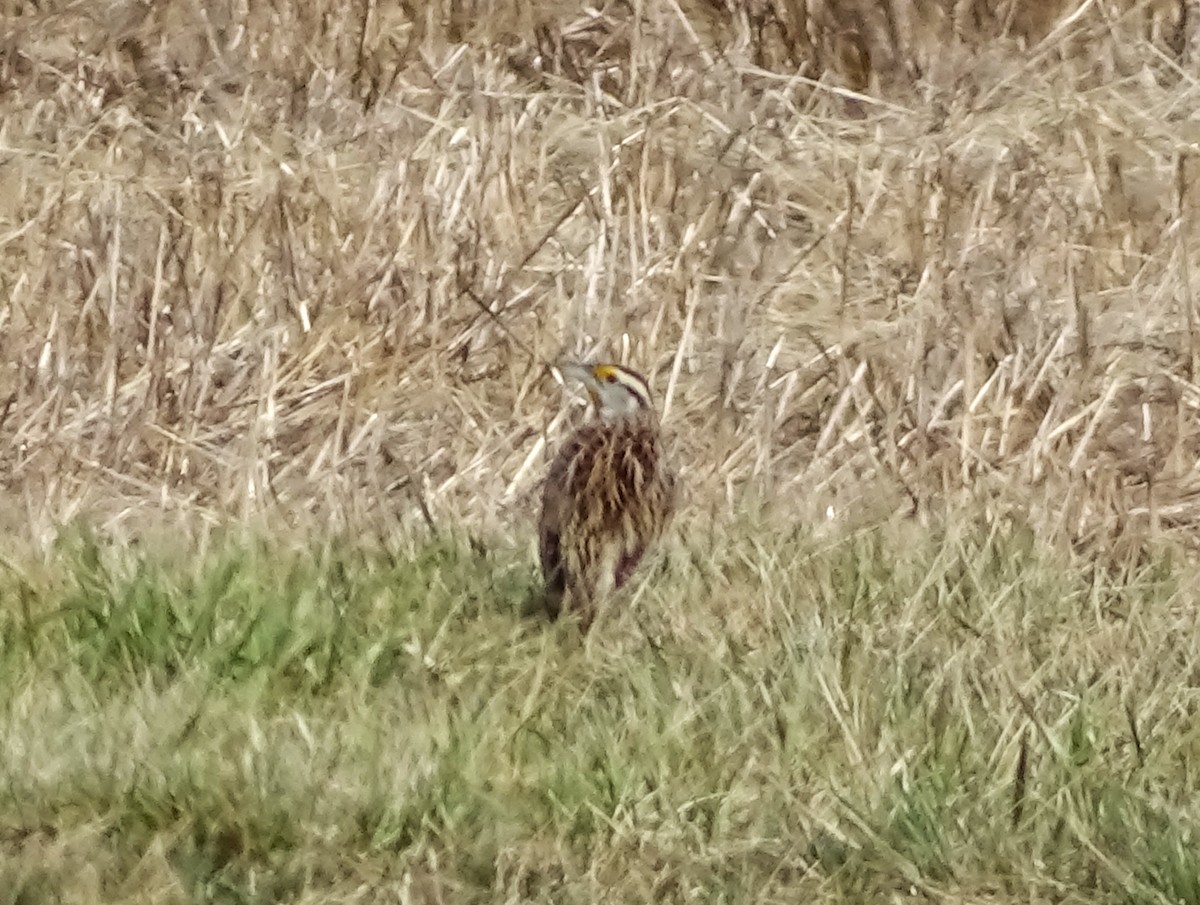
(608, 498)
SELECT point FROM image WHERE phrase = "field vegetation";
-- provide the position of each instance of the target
(913, 282)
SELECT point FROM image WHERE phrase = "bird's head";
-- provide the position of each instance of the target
(616, 391)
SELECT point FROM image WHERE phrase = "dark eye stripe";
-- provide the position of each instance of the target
(636, 385)
(633, 382)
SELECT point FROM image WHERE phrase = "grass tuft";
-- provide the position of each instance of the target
(268, 722)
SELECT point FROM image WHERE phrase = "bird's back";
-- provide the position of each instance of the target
(608, 497)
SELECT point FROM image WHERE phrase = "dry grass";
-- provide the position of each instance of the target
(311, 263)
(914, 285)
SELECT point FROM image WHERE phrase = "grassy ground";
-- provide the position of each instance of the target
(280, 285)
(893, 717)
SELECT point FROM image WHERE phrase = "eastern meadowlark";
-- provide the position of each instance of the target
(609, 495)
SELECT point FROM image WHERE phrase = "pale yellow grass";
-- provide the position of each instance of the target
(309, 263)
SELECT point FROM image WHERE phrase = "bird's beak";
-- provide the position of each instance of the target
(574, 369)
(583, 374)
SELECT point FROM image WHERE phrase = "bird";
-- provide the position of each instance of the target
(609, 495)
